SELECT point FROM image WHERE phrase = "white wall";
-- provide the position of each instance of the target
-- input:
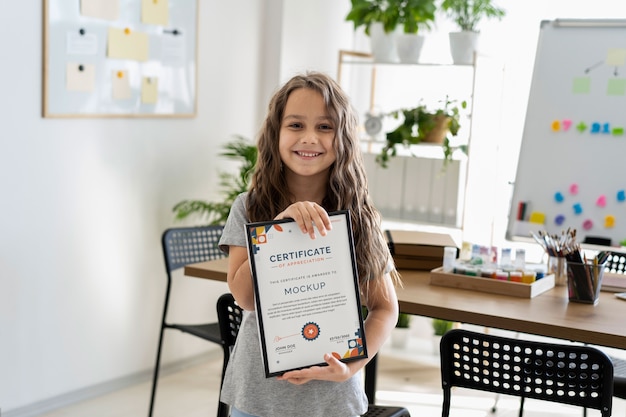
(84, 201)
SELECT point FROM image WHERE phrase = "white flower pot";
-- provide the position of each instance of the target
(462, 46)
(409, 47)
(383, 44)
(400, 337)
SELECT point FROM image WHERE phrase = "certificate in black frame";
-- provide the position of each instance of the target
(307, 294)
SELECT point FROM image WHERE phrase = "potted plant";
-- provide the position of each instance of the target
(400, 335)
(423, 125)
(381, 18)
(467, 14)
(415, 16)
(239, 149)
(440, 327)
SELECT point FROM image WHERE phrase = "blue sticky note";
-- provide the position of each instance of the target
(559, 219)
(558, 197)
(621, 195)
(578, 208)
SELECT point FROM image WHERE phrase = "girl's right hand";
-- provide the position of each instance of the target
(308, 215)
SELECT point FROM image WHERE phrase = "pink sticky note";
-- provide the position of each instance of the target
(567, 123)
(573, 189)
(601, 201)
(587, 224)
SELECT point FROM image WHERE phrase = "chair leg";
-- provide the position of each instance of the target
(494, 407)
(445, 409)
(370, 379)
(155, 376)
(521, 406)
(223, 410)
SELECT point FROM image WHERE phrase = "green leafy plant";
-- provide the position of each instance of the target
(421, 124)
(404, 320)
(467, 14)
(412, 15)
(440, 327)
(239, 149)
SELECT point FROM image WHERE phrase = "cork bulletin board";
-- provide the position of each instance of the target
(119, 58)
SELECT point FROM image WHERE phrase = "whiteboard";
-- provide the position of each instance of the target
(570, 172)
(82, 77)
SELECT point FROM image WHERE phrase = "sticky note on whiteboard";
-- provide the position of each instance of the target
(149, 90)
(127, 44)
(101, 9)
(155, 12)
(537, 217)
(80, 77)
(616, 57)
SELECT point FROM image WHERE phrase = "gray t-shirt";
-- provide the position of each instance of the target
(245, 386)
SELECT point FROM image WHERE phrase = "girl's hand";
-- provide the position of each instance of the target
(336, 371)
(308, 215)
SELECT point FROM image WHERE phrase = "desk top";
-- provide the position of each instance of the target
(549, 314)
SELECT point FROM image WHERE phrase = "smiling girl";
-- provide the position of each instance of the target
(309, 163)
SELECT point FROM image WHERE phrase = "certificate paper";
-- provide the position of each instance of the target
(306, 294)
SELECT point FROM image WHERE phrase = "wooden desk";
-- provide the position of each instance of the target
(549, 314)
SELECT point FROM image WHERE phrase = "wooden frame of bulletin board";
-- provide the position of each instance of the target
(119, 58)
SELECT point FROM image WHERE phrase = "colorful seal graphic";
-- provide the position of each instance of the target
(310, 331)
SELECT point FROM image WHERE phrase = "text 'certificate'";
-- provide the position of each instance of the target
(306, 294)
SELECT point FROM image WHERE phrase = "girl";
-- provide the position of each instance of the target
(309, 163)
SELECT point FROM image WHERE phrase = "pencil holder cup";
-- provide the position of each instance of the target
(584, 281)
(557, 266)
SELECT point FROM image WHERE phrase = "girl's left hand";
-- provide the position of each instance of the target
(336, 371)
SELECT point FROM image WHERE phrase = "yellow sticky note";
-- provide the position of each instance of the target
(101, 9)
(80, 77)
(155, 12)
(537, 217)
(121, 85)
(609, 221)
(127, 44)
(149, 90)
(616, 57)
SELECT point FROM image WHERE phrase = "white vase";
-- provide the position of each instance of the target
(463, 45)
(383, 44)
(400, 337)
(409, 47)
(436, 343)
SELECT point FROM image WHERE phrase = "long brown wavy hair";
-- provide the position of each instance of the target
(347, 186)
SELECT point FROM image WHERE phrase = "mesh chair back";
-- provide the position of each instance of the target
(229, 315)
(577, 375)
(187, 245)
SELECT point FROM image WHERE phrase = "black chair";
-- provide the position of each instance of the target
(619, 384)
(229, 317)
(183, 246)
(569, 374)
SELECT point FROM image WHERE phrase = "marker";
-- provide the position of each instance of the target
(521, 210)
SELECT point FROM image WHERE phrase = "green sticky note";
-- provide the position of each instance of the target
(581, 85)
(616, 87)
